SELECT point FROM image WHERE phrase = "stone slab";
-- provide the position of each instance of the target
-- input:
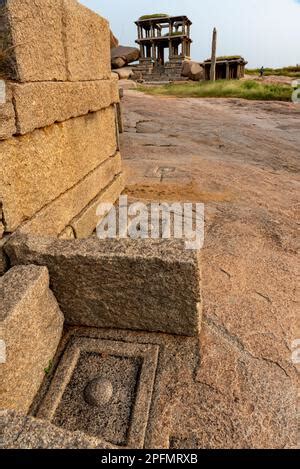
(151, 285)
(31, 327)
(87, 43)
(54, 218)
(7, 113)
(42, 104)
(38, 167)
(36, 40)
(167, 365)
(85, 223)
(19, 431)
(110, 383)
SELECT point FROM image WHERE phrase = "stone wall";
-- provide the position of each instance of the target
(59, 154)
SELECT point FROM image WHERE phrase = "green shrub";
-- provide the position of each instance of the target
(155, 15)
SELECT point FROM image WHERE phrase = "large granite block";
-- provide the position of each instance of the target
(41, 104)
(34, 40)
(151, 285)
(87, 43)
(38, 167)
(54, 218)
(31, 327)
(85, 223)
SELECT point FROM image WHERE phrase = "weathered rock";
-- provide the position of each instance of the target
(20, 431)
(3, 257)
(87, 43)
(53, 219)
(7, 113)
(124, 73)
(118, 62)
(67, 233)
(31, 327)
(113, 40)
(121, 56)
(149, 285)
(47, 162)
(34, 35)
(84, 223)
(192, 70)
(42, 104)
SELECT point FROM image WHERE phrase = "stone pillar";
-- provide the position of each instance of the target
(227, 71)
(170, 50)
(213, 56)
(153, 52)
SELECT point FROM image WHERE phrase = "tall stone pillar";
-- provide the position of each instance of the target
(213, 56)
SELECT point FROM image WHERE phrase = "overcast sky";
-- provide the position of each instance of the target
(265, 32)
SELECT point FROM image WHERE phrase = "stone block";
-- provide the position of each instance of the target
(142, 378)
(19, 431)
(31, 327)
(7, 113)
(87, 43)
(53, 219)
(42, 104)
(151, 285)
(85, 222)
(38, 167)
(35, 39)
(110, 383)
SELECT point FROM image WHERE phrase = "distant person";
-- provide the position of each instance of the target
(262, 72)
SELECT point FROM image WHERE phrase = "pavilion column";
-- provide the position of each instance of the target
(227, 71)
(153, 52)
(170, 50)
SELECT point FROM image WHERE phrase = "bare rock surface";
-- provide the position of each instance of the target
(241, 159)
(19, 431)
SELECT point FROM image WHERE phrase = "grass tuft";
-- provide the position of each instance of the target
(247, 89)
